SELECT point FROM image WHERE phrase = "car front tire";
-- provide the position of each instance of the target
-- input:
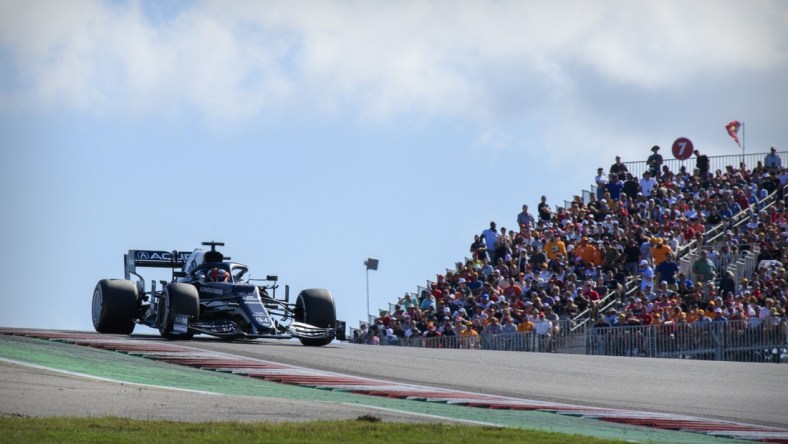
(316, 307)
(115, 303)
(177, 298)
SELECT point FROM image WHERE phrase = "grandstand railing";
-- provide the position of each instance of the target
(761, 340)
(637, 168)
(530, 341)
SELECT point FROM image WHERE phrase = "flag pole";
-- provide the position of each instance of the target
(743, 141)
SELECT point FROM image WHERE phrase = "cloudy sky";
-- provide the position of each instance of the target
(310, 136)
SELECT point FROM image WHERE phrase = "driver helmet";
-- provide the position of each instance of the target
(218, 275)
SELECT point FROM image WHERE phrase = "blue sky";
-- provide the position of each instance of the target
(309, 136)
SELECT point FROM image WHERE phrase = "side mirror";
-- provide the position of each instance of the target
(272, 277)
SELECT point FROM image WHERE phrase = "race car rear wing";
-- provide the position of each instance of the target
(153, 259)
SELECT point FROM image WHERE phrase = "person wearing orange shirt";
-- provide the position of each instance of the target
(660, 251)
(588, 252)
(694, 314)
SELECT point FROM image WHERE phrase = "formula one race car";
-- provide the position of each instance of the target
(209, 294)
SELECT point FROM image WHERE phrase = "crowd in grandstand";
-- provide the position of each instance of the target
(554, 265)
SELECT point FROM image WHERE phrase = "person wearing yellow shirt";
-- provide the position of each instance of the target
(710, 309)
(469, 338)
(526, 326)
(678, 316)
(554, 247)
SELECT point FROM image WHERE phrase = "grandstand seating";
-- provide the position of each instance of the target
(736, 216)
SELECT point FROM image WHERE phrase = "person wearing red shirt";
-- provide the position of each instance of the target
(687, 232)
(512, 290)
(589, 293)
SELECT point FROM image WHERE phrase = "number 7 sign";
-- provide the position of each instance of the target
(682, 148)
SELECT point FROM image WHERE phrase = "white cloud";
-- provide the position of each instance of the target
(476, 60)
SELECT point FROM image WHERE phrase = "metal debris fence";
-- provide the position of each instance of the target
(765, 340)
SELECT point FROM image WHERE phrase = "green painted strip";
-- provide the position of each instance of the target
(133, 369)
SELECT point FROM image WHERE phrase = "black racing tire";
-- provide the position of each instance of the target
(316, 307)
(181, 299)
(115, 304)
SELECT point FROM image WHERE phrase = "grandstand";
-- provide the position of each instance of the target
(647, 262)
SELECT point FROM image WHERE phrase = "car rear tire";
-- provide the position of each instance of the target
(316, 307)
(181, 299)
(115, 303)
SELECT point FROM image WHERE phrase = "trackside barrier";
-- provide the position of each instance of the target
(530, 341)
(524, 342)
(764, 341)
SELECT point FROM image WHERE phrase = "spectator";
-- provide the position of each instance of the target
(645, 249)
(408, 301)
(478, 247)
(646, 275)
(468, 336)
(654, 162)
(647, 184)
(372, 337)
(448, 329)
(611, 258)
(703, 268)
(782, 177)
(601, 183)
(702, 164)
(727, 283)
(429, 301)
(508, 326)
(667, 270)
(526, 325)
(544, 332)
(631, 257)
(432, 331)
(660, 251)
(718, 316)
(493, 327)
(614, 187)
(490, 236)
(545, 213)
(618, 168)
(630, 187)
(391, 338)
(772, 161)
(525, 219)
(588, 252)
(503, 246)
(554, 247)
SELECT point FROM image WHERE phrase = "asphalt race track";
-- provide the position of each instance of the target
(739, 392)
(751, 392)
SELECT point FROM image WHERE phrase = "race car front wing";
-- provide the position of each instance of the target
(231, 330)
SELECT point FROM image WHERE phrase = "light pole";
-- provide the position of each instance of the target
(371, 264)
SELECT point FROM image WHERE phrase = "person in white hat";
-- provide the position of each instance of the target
(646, 275)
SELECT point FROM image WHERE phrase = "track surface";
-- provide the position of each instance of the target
(755, 393)
(705, 389)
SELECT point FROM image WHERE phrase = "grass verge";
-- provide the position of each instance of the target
(366, 429)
